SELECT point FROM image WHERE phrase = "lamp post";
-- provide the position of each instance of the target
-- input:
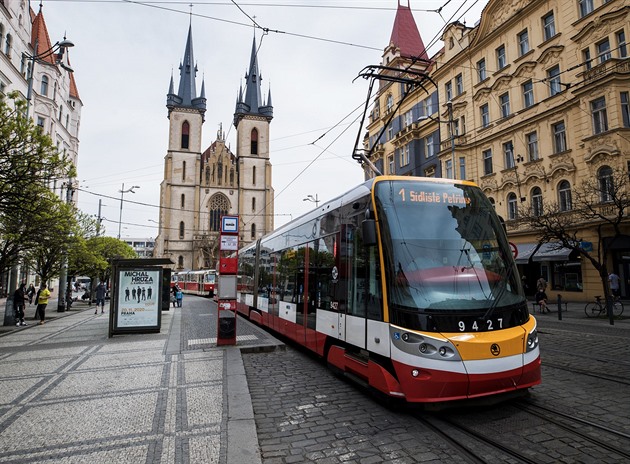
(451, 128)
(313, 199)
(122, 193)
(58, 49)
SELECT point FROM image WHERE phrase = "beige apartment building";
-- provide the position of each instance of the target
(527, 103)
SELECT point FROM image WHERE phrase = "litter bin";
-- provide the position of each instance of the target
(226, 328)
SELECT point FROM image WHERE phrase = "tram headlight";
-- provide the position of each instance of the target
(532, 340)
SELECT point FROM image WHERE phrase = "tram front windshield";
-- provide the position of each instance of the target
(444, 249)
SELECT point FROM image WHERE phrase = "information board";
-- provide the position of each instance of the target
(138, 298)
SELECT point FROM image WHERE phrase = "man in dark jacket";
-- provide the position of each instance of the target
(19, 296)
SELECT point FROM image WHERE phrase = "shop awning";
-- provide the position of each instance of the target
(551, 252)
(525, 251)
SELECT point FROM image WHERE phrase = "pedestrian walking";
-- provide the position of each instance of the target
(101, 290)
(613, 280)
(179, 296)
(19, 299)
(31, 293)
(42, 300)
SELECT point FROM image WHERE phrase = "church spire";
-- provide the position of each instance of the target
(186, 96)
(252, 103)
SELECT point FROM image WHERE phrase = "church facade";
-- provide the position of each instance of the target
(199, 185)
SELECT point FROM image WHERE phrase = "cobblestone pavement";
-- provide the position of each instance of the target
(304, 413)
(70, 394)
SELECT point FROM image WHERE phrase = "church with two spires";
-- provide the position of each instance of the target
(201, 186)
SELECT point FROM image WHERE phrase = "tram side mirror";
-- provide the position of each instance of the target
(368, 227)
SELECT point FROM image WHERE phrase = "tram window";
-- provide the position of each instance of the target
(287, 275)
(365, 285)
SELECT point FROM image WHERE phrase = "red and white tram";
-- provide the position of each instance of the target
(200, 282)
(407, 284)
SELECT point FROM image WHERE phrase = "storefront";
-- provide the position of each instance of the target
(561, 267)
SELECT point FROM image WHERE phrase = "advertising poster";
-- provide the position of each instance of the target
(138, 298)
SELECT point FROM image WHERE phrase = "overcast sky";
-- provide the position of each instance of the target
(125, 52)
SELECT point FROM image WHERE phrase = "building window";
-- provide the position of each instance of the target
(462, 168)
(528, 94)
(7, 46)
(625, 108)
(481, 70)
(537, 201)
(253, 175)
(390, 132)
(253, 204)
(559, 137)
(390, 164)
(389, 103)
(485, 115)
(185, 135)
(532, 146)
(459, 84)
(606, 186)
(253, 142)
(180, 262)
(183, 170)
(621, 44)
(60, 113)
(182, 201)
(501, 60)
(553, 79)
(44, 86)
(508, 155)
(505, 105)
(586, 7)
(564, 196)
(181, 230)
(448, 89)
(586, 57)
(487, 162)
(549, 25)
(41, 122)
(405, 155)
(603, 51)
(253, 232)
(600, 119)
(523, 42)
(512, 206)
(432, 144)
(448, 168)
(408, 118)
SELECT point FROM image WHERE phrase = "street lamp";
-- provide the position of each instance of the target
(122, 193)
(313, 199)
(451, 128)
(58, 50)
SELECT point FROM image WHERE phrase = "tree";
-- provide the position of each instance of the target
(29, 164)
(57, 231)
(598, 204)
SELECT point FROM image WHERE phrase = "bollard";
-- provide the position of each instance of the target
(559, 307)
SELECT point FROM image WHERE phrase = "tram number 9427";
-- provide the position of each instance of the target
(479, 326)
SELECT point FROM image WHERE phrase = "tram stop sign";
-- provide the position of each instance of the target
(514, 249)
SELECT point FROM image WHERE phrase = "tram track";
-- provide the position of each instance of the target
(441, 427)
(544, 413)
(574, 370)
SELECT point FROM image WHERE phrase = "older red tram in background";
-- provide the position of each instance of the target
(202, 282)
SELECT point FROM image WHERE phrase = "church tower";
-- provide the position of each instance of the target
(251, 119)
(179, 191)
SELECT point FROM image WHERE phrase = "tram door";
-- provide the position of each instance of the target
(359, 289)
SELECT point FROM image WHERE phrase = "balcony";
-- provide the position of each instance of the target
(606, 68)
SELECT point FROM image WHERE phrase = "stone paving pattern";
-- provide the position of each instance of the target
(70, 394)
